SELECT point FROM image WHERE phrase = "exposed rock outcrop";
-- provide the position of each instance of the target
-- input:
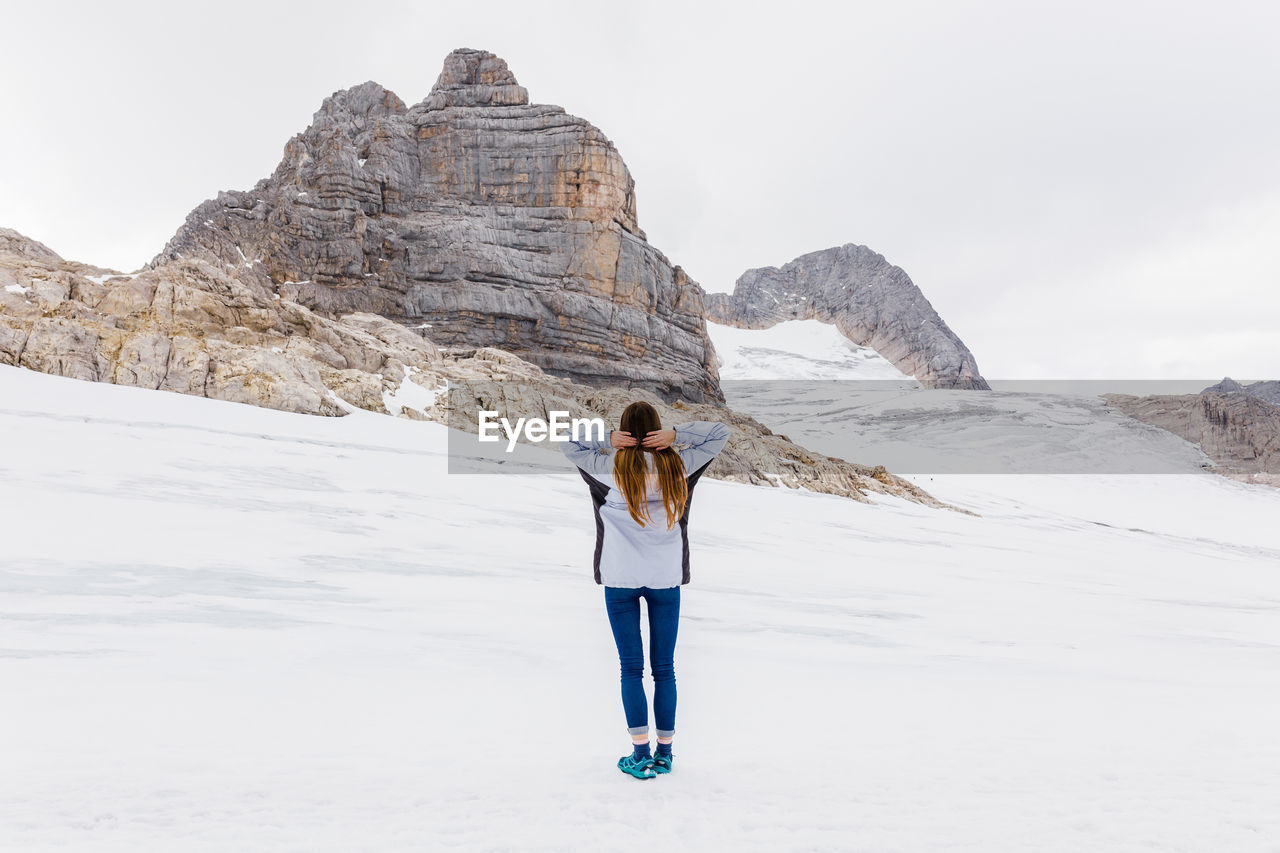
(1238, 431)
(22, 246)
(872, 302)
(484, 218)
(192, 326)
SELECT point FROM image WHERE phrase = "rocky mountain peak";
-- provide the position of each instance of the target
(474, 218)
(1226, 386)
(1267, 390)
(18, 244)
(369, 100)
(475, 78)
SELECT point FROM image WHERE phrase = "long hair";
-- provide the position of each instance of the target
(631, 470)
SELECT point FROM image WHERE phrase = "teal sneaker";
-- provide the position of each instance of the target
(641, 768)
(662, 764)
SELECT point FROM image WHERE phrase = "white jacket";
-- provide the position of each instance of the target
(627, 554)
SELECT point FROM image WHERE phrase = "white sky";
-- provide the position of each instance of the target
(1082, 189)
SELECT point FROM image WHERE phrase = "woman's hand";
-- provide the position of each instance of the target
(660, 439)
(620, 439)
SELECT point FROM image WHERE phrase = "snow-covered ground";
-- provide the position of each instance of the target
(798, 349)
(228, 628)
(963, 432)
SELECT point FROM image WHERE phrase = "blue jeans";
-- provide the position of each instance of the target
(623, 606)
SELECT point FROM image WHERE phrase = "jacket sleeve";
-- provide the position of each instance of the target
(704, 439)
(593, 455)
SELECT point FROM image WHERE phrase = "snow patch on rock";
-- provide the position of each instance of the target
(411, 395)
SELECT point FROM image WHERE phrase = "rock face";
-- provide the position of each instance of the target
(192, 327)
(872, 302)
(476, 216)
(195, 327)
(1237, 430)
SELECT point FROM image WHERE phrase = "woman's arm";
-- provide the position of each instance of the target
(704, 439)
(595, 455)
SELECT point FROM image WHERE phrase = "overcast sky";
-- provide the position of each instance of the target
(1082, 190)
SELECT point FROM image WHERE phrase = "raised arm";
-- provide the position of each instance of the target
(593, 455)
(704, 439)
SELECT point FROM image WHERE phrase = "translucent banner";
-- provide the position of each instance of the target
(1018, 427)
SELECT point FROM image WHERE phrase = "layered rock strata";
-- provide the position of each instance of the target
(475, 216)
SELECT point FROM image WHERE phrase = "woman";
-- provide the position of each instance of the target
(641, 487)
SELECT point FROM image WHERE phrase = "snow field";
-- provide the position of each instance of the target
(227, 628)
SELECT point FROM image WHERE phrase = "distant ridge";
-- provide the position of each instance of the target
(872, 302)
